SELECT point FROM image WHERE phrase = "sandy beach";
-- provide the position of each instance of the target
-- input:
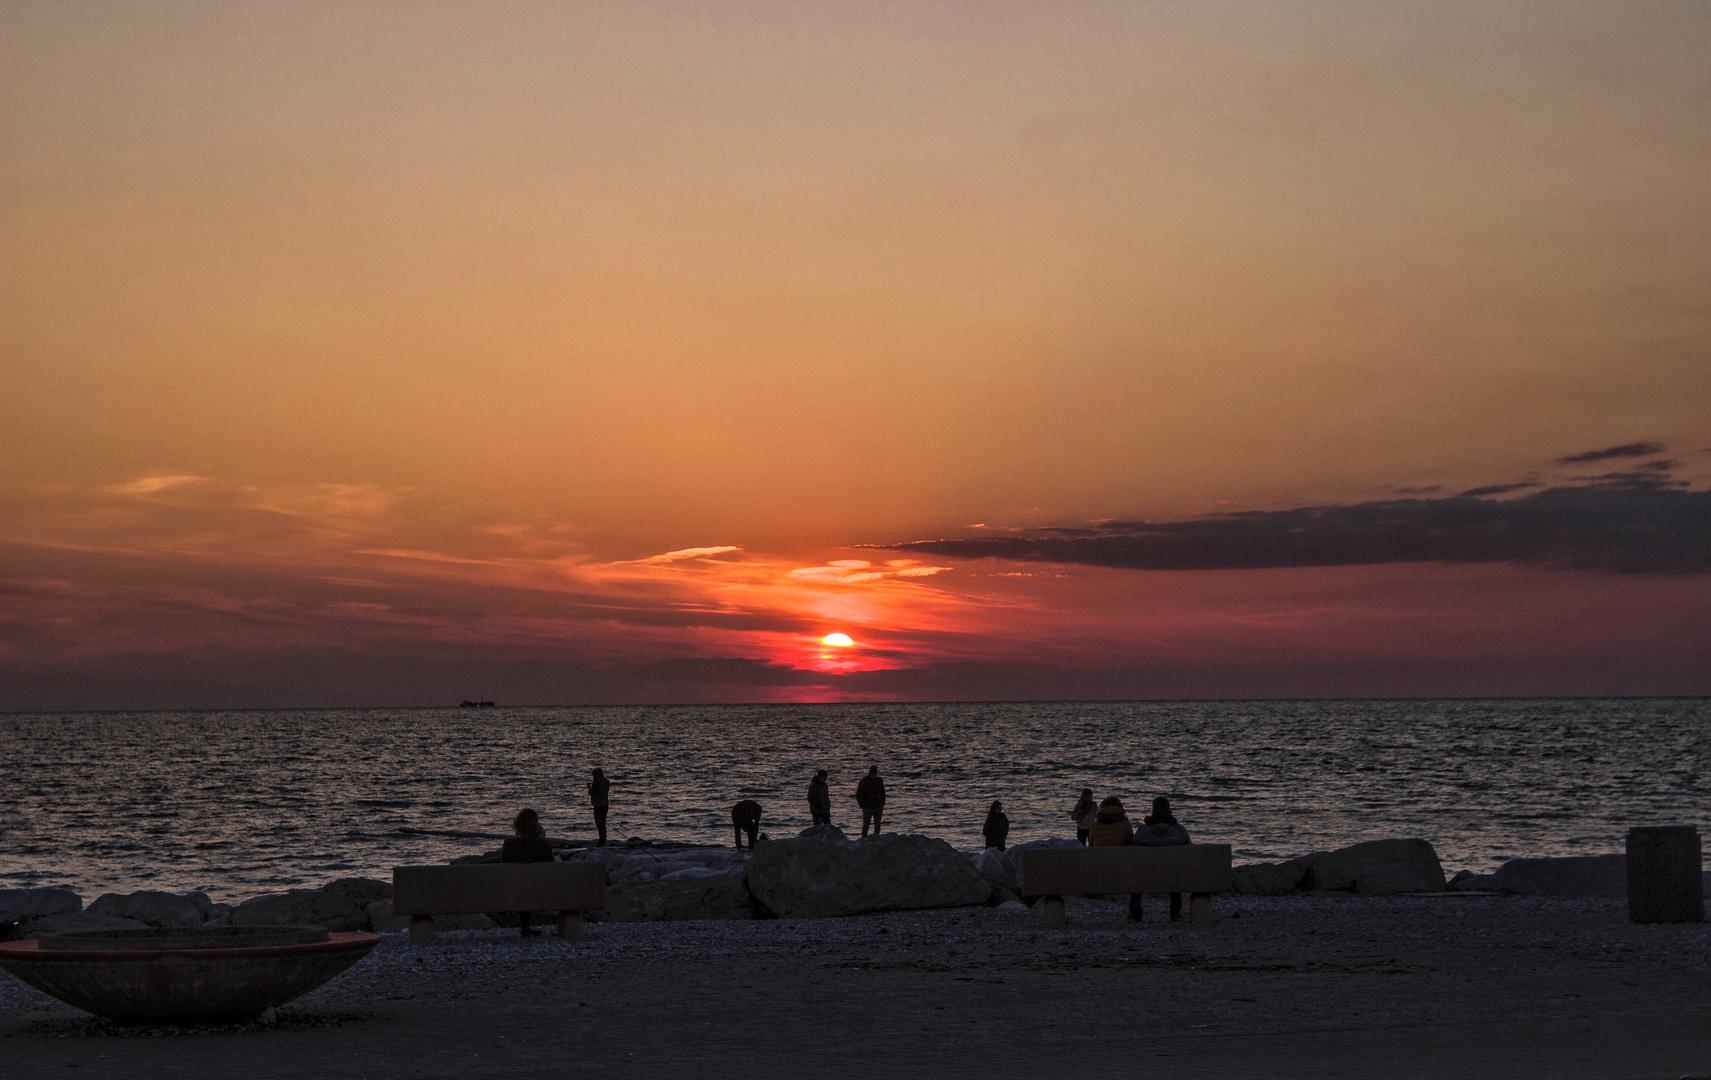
(1306, 986)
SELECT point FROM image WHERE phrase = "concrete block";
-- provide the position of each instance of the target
(1665, 879)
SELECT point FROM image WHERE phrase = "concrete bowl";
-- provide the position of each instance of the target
(183, 976)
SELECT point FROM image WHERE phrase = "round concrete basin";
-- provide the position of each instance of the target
(178, 976)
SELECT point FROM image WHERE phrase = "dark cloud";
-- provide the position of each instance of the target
(1637, 523)
(1429, 489)
(1633, 449)
(1500, 489)
(1642, 477)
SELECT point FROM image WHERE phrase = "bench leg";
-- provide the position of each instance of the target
(570, 925)
(1052, 911)
(1200, 908)
(421, 929)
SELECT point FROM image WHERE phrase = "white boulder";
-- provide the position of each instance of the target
(159, 908)
(1268, 879)
(822, 876)
(16, 905)
(340, 906)
(693, 892)
(1374, 868)
(1580, 875)
(1013, 853)
(73, 922)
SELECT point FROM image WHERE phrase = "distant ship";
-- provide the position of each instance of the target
(475, 705)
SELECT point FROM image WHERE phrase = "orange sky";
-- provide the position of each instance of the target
(413, 340)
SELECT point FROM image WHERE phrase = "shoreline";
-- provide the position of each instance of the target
(1275, 986)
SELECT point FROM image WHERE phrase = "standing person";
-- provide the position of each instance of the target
(745, 817)
(597, 795)
(529, 845)
(1160, 829)
(820, 799)
(1083, 814)
(870, 796)
(997, 826)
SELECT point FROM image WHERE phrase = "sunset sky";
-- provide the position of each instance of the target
(383, 354)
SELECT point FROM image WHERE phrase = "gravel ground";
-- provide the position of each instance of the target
(1320, 986)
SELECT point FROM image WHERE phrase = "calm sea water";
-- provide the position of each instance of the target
(242, 803)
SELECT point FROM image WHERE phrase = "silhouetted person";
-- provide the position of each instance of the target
(820, 799)
(870, 796)
(1110, 825)
(1111, 828)
(997, 826)
(529, 845)
(1160, 829)
(597, 789)
(745, 818)
(1083, 814)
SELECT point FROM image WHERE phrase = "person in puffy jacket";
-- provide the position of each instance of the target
(1110, 825)
(528, 846)
(820, 799)
(1160, 829)
(997, 827)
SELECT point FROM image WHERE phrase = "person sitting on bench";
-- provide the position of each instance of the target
(528, 846)
(1160, 829)
(1111, 828)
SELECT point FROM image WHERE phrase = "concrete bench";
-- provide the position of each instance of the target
(1197, 869)
(569, 888)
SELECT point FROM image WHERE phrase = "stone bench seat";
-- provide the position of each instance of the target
(1054, 873)
(569, 888)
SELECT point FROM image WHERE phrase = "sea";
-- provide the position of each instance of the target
(238, 804)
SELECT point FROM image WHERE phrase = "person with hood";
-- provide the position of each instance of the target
(1160, 829)
(820, 799)
(1110, 825)
(528, 846)
(745, 818)
(870, 796)
(598, 788)
(997, 826)
(1083, 814)
(1111, 829)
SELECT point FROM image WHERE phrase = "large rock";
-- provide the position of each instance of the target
(821, 876)
(1374, 868)
(1578, 875)
(695, 892)
(340, 906)
(159, 908)
(1268, 879)
(16, 905)
(1014, 853)
(72, 922)
(989, 864)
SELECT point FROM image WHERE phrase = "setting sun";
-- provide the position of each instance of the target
(840, 640)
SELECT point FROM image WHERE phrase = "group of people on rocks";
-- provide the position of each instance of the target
(1097, 824)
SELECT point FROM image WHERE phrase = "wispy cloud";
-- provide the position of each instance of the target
(151, 485)
(691, 553)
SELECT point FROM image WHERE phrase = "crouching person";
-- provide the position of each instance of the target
(745, 818)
